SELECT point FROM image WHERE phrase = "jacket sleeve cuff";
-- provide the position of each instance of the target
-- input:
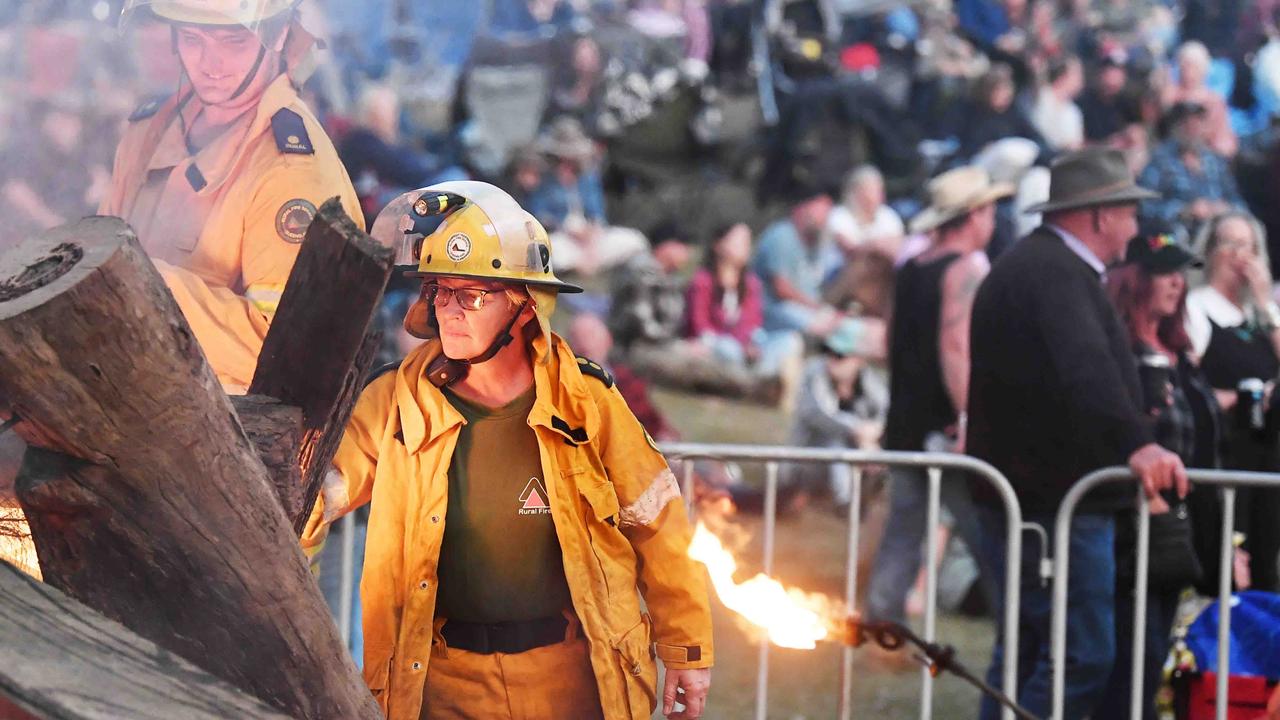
(684, 657)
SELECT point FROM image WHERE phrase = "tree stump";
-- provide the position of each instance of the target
(319, 349)
(177, 533)
(59, 659)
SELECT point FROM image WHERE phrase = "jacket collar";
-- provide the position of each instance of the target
(562, 399)
(217, 159)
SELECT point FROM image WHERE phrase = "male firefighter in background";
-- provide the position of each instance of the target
(221, 179)
(518, 509)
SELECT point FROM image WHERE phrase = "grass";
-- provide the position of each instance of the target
(810, 554)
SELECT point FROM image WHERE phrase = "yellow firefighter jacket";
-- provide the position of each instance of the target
(224, 225)
(616, 508)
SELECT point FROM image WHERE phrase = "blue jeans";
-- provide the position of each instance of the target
(775, 349)
(1162, 609)
(901, 550)
(1091, 628)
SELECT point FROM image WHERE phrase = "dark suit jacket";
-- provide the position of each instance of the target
(1054, 391)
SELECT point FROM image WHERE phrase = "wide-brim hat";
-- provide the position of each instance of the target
(956, 192)
(567, 140)
(1089, 178)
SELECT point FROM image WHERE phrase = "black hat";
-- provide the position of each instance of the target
(1179, 112)
(1161, 247)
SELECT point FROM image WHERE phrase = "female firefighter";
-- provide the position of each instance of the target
(519, 511)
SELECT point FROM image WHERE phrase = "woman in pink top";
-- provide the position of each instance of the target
(725, 308)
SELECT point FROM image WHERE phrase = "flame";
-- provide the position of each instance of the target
(792, 618)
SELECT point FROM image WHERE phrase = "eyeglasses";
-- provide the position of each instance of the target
(469, 299)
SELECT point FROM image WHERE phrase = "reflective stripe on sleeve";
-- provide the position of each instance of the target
(649, 505)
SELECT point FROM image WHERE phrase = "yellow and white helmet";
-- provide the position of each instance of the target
(484, 234)
(247, 13)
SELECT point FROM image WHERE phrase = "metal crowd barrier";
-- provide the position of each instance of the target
(934, 463)
(1229, 480)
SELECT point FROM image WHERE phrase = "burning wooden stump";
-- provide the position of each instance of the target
(147, 500)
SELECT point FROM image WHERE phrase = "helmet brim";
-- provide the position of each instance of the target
(558, 285)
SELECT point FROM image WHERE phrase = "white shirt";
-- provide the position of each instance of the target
(1079, 249)
(1205, 304)
(852, 232)
(1059, 121)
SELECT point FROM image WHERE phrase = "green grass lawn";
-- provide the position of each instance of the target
(810, 554)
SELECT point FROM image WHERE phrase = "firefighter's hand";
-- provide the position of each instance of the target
(687, 687)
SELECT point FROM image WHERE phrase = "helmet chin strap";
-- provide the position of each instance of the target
(445, 370)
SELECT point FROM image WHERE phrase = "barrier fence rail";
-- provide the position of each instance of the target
(1228, 480)
(934, 463)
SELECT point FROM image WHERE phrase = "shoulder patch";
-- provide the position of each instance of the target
(148, 108)
(293, 218)
(291, 133)
(595, 370)
(378, 372)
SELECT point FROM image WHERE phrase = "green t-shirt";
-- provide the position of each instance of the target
(500, 560)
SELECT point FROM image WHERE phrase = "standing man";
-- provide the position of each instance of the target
(519, 512)
(1053, 395)
(222, 179)
(929, 370)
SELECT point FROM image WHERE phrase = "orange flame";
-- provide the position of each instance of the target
(792, 618)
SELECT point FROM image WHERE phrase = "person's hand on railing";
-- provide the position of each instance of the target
(1158, 469)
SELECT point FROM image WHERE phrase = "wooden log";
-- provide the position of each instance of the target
(275, 429)
(59, 659)
(177, 534)
(319, 348)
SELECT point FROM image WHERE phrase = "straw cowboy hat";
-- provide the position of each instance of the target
(956, 192)
(1089, 178)
(566, 140)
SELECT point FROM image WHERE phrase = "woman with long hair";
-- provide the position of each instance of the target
(1149, 292)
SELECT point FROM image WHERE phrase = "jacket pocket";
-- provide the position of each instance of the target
(633, 651)
(602, 500)
(377, 674)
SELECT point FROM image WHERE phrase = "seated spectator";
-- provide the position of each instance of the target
(870, 235)
(381, 166)
(1195, 183)
(794, 259)
(1193, 69)
(992, 114)
(578, 83)
(524, 174)
(569, 202)
(648, 291)
(862, 218)
(725, 310)
(841, 404)
(1055, 113)
(1102, 104)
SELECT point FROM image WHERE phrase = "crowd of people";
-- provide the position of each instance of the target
(965, 226)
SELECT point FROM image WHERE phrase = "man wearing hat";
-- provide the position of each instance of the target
(929, 369)
(569, 202)
(1195, 183)
(1054, 394)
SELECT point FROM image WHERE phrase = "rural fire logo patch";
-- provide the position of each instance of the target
(293, 218)
(533, 501)
(458, 247)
